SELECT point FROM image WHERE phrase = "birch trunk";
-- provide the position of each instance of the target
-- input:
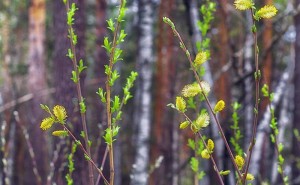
(248, 109)
(143, 99)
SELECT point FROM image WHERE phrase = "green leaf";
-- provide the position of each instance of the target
(108, 136)
(82, 105)
(114, 76)
(117, 55)
(107, 70)
(280, 147)
(115, 130)
(171, 105)
(81, 67)
(121, 37)
(194, 164)
(191, 144)
(87, 157)
(82, 134)
(70, 54)
(115, 104)
(111, 26)
(102, 95)
(107, 45)
(45, 108)
(74, 77)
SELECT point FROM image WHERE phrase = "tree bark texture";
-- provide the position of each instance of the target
(163, 86)
(37, 83)
(296, 123)
(143, 98)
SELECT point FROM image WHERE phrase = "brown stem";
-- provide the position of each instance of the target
(255, 121)
(80, 98)
(86, 154)
(102, 165)
(108, 99)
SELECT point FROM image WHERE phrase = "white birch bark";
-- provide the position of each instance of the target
(249, 101)
(143, 99)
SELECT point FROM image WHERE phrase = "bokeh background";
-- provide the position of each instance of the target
(35, 70)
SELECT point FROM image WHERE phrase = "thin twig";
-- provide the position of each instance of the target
(255, 121)
(30, 149)
(208, 102)
(80, 98)
(86, 154)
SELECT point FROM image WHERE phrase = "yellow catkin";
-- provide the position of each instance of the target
(205, 87)
(202, 121)
(60, 113)
(249, 177)
(205, 154)
(210, 145)
(180, 104)
(60, 133)
(184, 124)
(219, 106)
(201, 57)
(191, 90)
(239, 161)
(243, 4)
(226, 172)
(266, 12)
(46, 123)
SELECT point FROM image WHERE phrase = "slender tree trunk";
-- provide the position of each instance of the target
(37, 82)
(296, 123)
(142, 112)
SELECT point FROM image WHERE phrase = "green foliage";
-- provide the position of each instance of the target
(71, 167)
(82, 105)
(102, 95)
(115, 104)
(207, 10)
(237, 136)
(129, 84)
(274, 127)
(110, 134)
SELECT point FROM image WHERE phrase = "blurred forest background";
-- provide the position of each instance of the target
(35, 70)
